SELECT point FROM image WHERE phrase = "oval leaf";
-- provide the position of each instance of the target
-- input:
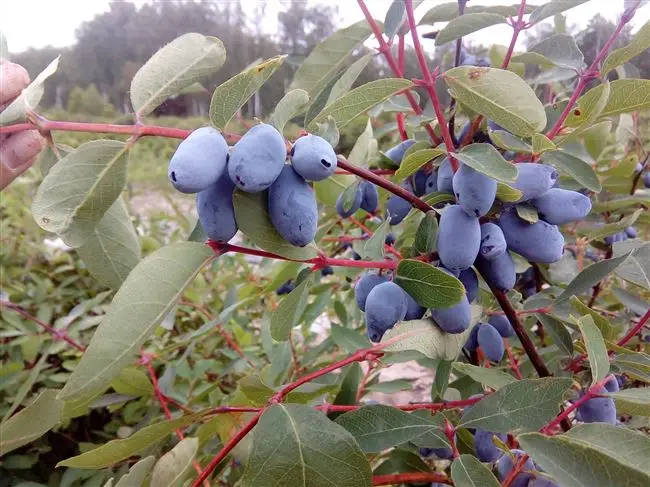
(638, 45)
(415, 160)
(117, 450)
(329, 57)
(253, 219)
(291, 104)
(286, 315)
(32, 422)
(468, 471)
(558, 50)
(428, 285)
(633, 401)
(487, 160)
(574, 167)
(499, 95)
(380, 427)
(137, 473)
(466, 24)
(80, 188)
(345, 82)
(359, 100)
(313, 451)
(596, 349)
(230, 96)
(551, 8)
(179, 64)
(112, 249)
(173, 466)
(449, 11)
(493, 378)
(627, 96)
(144, 299)
(524, 405)
(589, 276)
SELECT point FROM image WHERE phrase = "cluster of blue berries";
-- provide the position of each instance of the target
(204, 164)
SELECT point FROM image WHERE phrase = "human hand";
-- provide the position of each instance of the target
(17, 151)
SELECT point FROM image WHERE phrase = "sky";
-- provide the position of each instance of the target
(38, 23)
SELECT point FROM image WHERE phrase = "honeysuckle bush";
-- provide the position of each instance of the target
(198, 372)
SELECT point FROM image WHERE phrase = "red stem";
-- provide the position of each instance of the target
(591, 392)
(386, 184)
(591, 72)
(514, 365)
(384, 48)
(57, 334)
(635, 329)
(518, 467)
(430, 85)
(232, 443)
(388, 248)
(401, 125)
(379, 172)
(411, 477)
(523, 311)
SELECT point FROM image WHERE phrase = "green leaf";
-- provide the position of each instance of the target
(427, 338)
(499, 95)
(145, 298)
(574, 167)
(468, 471)
(329, 57)
(117, 450)
(558, 332)
(347, 339)
(134, 382)
(328, 131)
(633, 401)
(639, 43)
(288, 107)
(425, 235)
(592, 454)
(601, 322)
(373, 248)
(449, 11)
(378, 427)
(347, 79)
(112, 249)
(588, 108)
(361, 99)
(627, 96)
(558, 50)
(551, 8)
(26, 386)
(596, 350)
(507, 193)
(231, 95)
(467, 24)
(296, 445)
(47, 158)
(173, 466)
(507, 141)
(541, 144)
(253, 219)
(415, 160)
(611, 228)
(485, 159)
(286, 315)
(29, 98)
(527, 212)
(428, 285)
(31, 422)
(178, 65)
(525, 405)
(80, 188)
(137, 473)
(492, 378)
(588, 277)
(636, 268)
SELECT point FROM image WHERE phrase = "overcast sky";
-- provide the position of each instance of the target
(37, 23)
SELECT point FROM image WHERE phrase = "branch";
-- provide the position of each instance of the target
(384, 48)
(401, 125)
(526, 342)
(410, 478)
(592, 71)
(430, 85)
(57, 334)
(386, 184)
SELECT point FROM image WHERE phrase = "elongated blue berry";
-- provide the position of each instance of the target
(292, 208)
(396, 153)
(502, 325)
(364, 285)
(257, 158)
(472, 341)
(216, 211)
(199, 161)
(493, 243)
(486, 450)
(470, 281)
(385, 306)
(369, 196)
(345, 212)
(559, 206)
(598, 409)
(490, 342)
(413, 310)
(499, 272)
(397, 208)
(475, 192)
(445, 177)
(313, 158)
(455, 319)
(506, 464)
(458, 238)
(534, 179)
(536, 242)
